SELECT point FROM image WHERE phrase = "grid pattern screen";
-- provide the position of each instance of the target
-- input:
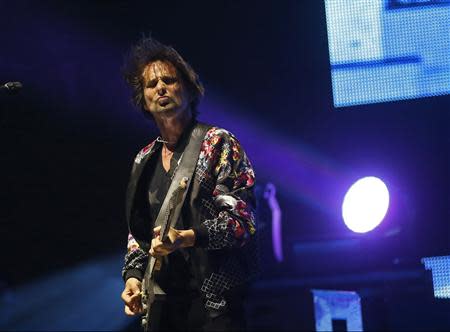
(386, 50)
(440, 269)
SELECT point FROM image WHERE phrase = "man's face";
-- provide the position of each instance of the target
(164, 90)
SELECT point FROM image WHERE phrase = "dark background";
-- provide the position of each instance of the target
(68, 139)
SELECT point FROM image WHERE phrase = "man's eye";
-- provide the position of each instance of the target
(169, 80)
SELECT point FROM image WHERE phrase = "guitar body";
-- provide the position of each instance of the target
(152, 298)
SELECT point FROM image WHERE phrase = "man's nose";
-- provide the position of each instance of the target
(161, 88)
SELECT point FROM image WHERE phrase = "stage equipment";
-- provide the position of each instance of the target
(11, 87)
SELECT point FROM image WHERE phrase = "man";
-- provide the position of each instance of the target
(211, 252)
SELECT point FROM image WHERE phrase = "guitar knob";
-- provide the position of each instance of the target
(183, 182)
(144, 306)
(144, 322)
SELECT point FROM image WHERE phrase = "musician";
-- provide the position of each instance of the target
(210, 254)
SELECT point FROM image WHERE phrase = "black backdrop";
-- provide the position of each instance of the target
(69, 137)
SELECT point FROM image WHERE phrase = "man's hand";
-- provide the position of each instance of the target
(131, 295)
(175, 239)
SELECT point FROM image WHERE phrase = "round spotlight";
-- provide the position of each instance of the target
(365, 204)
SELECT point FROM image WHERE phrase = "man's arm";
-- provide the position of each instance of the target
(233, 195)
(135, 260)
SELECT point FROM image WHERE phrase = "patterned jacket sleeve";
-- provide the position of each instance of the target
(135, 260)
(233, 195)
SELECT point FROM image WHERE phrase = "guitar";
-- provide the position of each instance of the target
(151, 291)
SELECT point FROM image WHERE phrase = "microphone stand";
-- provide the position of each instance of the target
(10, 88)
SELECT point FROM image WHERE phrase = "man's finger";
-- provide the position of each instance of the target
(128, 311)
(138, 309)
(156, 231)
(136, 296)
(126, 296)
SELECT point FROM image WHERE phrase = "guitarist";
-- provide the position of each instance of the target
(209, 254)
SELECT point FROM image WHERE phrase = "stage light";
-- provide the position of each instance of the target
(365, 204)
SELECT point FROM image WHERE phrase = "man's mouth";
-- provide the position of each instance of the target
(163, 101)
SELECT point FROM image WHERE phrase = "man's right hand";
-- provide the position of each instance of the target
(131, 295)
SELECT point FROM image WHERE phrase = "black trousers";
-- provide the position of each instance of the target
(188, 313)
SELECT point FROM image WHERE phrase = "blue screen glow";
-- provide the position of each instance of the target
(335, 304)
(386, 50)
(440, 270)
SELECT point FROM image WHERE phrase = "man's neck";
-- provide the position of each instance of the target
(172, 126)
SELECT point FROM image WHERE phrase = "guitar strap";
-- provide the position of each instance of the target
(184, 172)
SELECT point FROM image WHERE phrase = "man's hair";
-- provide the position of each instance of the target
(148, 50)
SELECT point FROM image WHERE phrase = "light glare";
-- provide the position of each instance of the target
(365, 204)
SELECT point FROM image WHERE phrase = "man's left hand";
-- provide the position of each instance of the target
(175, 239)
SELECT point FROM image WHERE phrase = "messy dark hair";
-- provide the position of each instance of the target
(148, 50)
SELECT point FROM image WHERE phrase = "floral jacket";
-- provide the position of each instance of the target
(220, 206)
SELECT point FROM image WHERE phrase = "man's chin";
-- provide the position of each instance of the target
(167, 109)
(164, 111)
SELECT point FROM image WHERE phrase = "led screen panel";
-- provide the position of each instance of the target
(386, 50)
